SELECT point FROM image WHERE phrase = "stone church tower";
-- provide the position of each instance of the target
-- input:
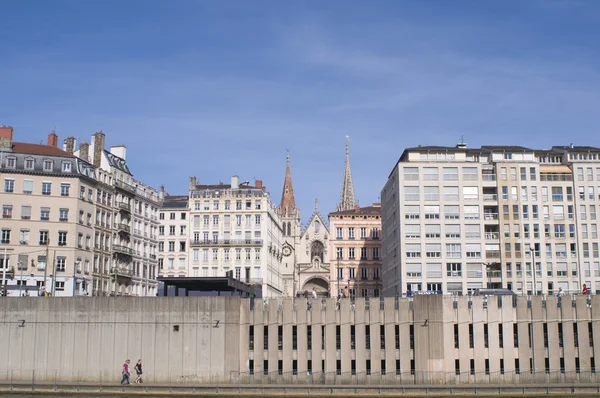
(290, 216)
(347, 199)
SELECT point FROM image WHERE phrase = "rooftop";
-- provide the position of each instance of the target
(374, 210)
(39, 149)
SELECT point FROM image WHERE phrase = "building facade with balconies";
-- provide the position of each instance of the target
(459, 219)
(47, 211)
(235, 227)
(173, 237)
(131, 224)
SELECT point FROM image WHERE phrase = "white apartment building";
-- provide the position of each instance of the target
(128, 223)
(173, 236)
(458, 219)
(235, 227)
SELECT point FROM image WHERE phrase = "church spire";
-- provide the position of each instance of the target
(347, 199)
(288, 202)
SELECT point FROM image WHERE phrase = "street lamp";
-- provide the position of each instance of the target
(532, 250)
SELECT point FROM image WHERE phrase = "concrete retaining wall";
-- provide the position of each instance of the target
(425, 340)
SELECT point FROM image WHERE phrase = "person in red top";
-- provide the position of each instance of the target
(126, 374)
(585, 289)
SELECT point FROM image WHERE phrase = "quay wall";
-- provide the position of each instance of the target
(422, 340)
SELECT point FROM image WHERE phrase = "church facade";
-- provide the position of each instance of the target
(305, 265)
(307, 253)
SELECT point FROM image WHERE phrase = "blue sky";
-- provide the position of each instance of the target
(214, 89)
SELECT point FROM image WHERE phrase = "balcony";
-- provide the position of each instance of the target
(490, 216)
(492, 254)
(124, 186)
(123, 227)
(123, 250)
(494, 274)
(227, 242)
(124, 206)
(492, 236)
(490, 197)
(122, 272)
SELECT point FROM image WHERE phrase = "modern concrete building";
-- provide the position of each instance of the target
(235, 227)
(458, 219)
(47, 207)
(174, 237)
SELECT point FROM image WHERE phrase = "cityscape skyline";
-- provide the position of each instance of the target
(239, 79)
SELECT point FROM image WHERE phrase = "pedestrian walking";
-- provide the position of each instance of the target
(138, 371)
(125, 372)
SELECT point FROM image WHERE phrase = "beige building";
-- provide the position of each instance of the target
(48, 205)
(235, 227)
(459, 219)
(356, 244)
(174, 237)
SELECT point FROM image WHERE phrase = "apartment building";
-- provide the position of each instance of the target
(173, 237)
(235, 227)
(47, 208)
(458, 219)
(128, 217)
(356, 270)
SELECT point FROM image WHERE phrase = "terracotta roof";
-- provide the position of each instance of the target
(368, 210)
(39, 149)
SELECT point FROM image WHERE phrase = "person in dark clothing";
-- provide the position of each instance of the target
(125, 373)
(138, 371)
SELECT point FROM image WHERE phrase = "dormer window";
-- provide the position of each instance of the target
(29, 164)
(66, 167)
(48, 165)
(11, 163)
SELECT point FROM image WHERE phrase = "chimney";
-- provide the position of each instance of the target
(258, 183)
(119, 150)
(53, 140)
(69, 144)
(192, 183)
(99, 139)
(84, 151)
(6, 137)
(235, 182)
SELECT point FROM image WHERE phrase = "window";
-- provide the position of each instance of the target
(363, 233)
(7, 211)
(451, 194)
(453, 231)
(63, 215)
(46, 188)
(257, 219)
(62, 238)
(45, 213)
(5, 236)
(450, 173)
(412, 231)
(24, 236)
(11, 163)
(452, 212)
(473, 250)
(432, 231)
(432, 212)
(28, 187)
(454, 269)
(66, 167)
(470, 193)
(29, 164)
(413, 270)
(431, 193)
(48, 165)
(60, 263)
(413, 250)
(9, 185)
(410, 193)
(411, 212)
(411, 173)
(433, 250)
(339, 233)
(453, 250)
(430, 174)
